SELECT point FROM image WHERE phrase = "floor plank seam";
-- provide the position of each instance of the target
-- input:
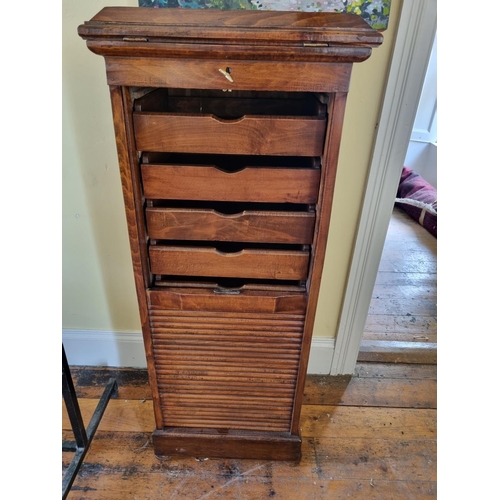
(378, 405)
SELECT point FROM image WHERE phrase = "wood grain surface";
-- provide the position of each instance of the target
(252, 184)
(247, 263)
(262, 135)
(232, 25)
(247, 226)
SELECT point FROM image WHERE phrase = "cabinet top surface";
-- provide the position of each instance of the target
(230, 26)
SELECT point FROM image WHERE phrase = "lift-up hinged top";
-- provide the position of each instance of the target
(290, 35)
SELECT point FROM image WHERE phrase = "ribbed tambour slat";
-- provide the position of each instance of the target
(226, 370)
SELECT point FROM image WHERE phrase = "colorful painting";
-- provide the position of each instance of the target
(375, 12)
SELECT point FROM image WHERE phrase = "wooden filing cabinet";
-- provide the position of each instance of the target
(228, 126)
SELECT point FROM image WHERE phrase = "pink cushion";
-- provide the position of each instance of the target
(418, 199)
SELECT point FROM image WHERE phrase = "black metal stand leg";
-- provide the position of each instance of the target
(83, 437)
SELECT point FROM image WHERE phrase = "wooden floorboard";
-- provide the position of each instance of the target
(369, 436)
(391, 351)
(403, 309)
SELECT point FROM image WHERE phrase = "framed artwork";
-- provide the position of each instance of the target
(375, 12)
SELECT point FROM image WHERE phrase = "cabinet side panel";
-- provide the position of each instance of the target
(329, 169)
(131, 194)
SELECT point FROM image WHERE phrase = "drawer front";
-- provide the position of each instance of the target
(247, 226)
(252, 184)
(246, 75)
(248, 301)
(232, 364)
(247, 263)
(249, 135)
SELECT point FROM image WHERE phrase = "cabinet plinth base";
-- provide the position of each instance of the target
(210, 443)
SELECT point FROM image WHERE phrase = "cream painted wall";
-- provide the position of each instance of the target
(98, 288)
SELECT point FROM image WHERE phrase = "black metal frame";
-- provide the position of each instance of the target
(83, 437)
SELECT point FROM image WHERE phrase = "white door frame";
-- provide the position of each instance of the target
(413, 46)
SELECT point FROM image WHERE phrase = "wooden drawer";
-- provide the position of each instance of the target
(229, 123)
(184, 181)
(247, 301)
(248, 135)
(246, 263)
(247, 75)
(246, 226)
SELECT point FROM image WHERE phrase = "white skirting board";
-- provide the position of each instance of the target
(126, 349)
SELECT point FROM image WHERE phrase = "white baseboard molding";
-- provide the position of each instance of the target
(321, 356)
(104, 348)
(126, 349)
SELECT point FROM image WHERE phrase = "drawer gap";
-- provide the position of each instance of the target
(221, 285)
(230, 105)
(232, 246)
(231, 208)
(231, 163)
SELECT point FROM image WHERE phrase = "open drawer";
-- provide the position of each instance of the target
(244, 222)
(258, 263)
(230, 123)
(230, 178)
